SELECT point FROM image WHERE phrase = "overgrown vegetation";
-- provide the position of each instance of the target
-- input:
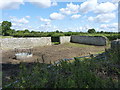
(95, 72)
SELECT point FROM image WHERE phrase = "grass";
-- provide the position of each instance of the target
(6, 37)
(78, 45)
(55, 43)
(100, 52)
(85, 45)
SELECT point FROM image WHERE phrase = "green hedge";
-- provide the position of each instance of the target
(112, 36)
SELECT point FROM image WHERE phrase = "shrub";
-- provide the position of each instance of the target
(57, 34)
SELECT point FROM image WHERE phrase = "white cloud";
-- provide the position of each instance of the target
(10, 4)
(19, 23)
(103, 18)
(88, 5)
(70, 9)
(27, 16)
(113, 27)
(83, 28)
(41, 3)
(115, 1)
(16, 20)
(65, 11)
(19, 26)
(47, 27)
(93, 5)
(54, 4)
(105, 8)
(75, 16)
(90, 18)
(56, 16)
(13, 4)
(45, 20)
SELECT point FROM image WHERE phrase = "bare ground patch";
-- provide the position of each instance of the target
(54, 52)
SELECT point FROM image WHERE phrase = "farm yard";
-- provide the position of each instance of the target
(12, 67)
(53, 53)
(54, 44)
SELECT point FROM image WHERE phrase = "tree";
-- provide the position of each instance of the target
(57, 31)
(26, 31)
(101, 32)
(33, 32)
(5, 27)
(61, 32)
(91, 30)
(10, 32)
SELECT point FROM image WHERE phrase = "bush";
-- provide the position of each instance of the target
(57, 34)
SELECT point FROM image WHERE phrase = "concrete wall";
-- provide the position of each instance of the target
(65, 39)
(11, 43)
(92, 40)
(115, 44)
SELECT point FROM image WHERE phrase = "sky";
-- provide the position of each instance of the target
(62, 15)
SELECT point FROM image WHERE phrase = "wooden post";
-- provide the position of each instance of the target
(43, 58)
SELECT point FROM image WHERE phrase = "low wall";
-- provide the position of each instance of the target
(11, 43)
(65, 39)
(92, 40)
(115, 44)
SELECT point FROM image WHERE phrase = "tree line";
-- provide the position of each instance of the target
(5, 30)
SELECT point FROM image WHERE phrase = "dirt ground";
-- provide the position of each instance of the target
(53, 53)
